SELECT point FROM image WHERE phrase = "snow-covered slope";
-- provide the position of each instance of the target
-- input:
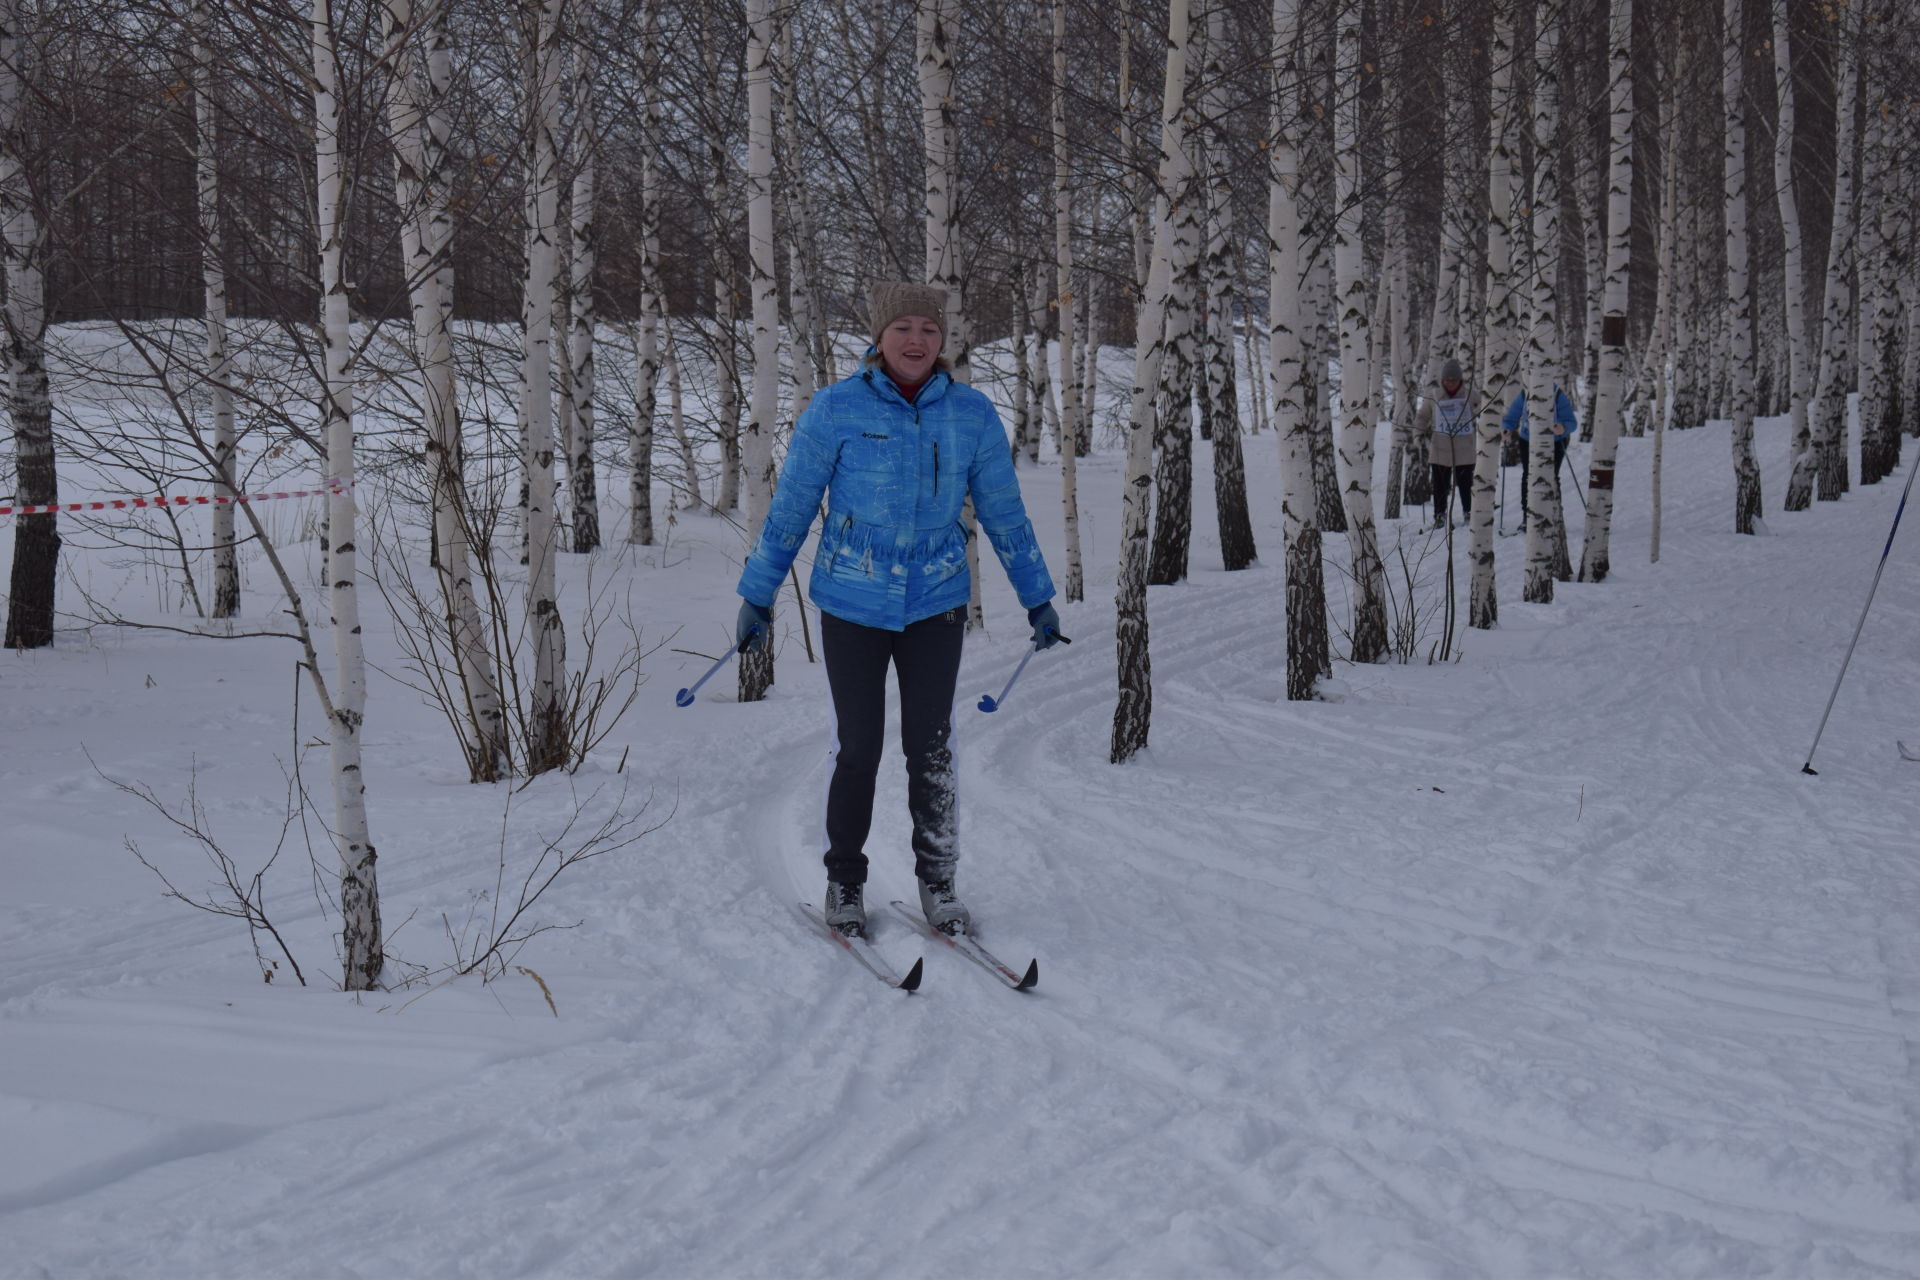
(1546, 962)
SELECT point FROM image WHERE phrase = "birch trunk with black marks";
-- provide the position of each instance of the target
(1308, 655)
(1546, 534)
(1608, 402)
(213, 277)
(1499, 345)
(1133, 712)
(756, 664)
(1739, 299)
(646, 329)
(1358, 419)
(36, 538)
(420, 67)
(1073, 586)
(547, 730)
(582, 240)
(362, 955)
(1217, 363)
(1801, 360)
(1836, 337)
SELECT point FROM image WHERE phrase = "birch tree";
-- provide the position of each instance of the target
(419, 69)
(362, 955)
(1217, 365)
(1739, 302)
(1073, 584)
(1836, 370)
(1881, 256)
(217, 347)
(1800, 362)
(547, 746)
(1546, 535)
(1499, 346)
(756, 664)
(1133, 712)
(582, 241)
(1357, 417)
(36, 538)
(726, 355)
(646, 329)
(1308, 656)
(1595, 551)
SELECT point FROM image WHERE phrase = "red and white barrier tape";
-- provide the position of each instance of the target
(164, 500)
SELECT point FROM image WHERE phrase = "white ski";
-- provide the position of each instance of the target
(862, 950)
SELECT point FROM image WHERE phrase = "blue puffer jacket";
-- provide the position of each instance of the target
(895, 473)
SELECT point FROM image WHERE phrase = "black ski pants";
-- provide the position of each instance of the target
(926, 664)
(1446, 480)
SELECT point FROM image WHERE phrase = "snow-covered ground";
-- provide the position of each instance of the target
(1548, 962)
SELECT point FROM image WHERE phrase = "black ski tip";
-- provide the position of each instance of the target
(911, 982)
(1033, 976)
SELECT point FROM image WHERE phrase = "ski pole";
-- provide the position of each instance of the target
(684, 698)
(1578, 492)
(1878, 570)
(990, 703)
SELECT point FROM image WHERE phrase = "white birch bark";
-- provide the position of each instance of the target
(1235, 522)
(547, 729)
(935, 76)
(36, 543)
(1881, 258)
(1358, 418)
(1595, 551)
(936, 120)
(1499, 346)
(1073, 581)
(677, 420)
(1800, 363)
(582, 240)
(213, 276)
(1739, 299)
(808, 370)
(1308, 657)
(1546, 535)
(1036, 302)
(646, 329)
(361, 945)
(1026, 434)
(1133, 711)
(1836, 340)
(420, 71)
(756, 665)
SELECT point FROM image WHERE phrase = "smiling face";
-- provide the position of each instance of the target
(908, 348)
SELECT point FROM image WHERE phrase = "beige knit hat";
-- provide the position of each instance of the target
(891, 299)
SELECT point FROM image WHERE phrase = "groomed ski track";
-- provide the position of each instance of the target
(1549, 962)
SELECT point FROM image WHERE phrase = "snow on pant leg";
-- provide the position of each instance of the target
(856, 659)
(926, 661)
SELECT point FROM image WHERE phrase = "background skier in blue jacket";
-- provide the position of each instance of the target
(1564, 425)
(896, 450)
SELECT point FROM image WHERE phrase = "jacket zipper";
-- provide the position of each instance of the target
(936, 467)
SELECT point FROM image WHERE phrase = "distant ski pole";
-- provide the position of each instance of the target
(1857, 627)
(684, 698)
